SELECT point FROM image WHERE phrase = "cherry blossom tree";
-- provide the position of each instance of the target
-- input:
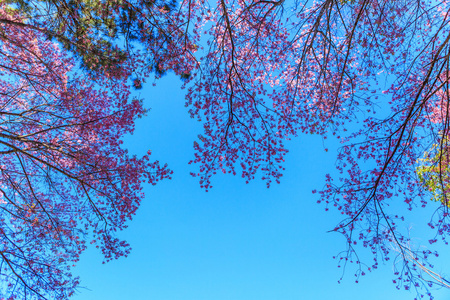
(64, 179)
(372, 74)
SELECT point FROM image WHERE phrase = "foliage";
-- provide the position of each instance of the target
(64, 179)
(104, 33)
(434, 173)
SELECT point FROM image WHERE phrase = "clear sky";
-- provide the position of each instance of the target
(238, 241)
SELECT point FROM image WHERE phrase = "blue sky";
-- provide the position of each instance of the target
(238, 241)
